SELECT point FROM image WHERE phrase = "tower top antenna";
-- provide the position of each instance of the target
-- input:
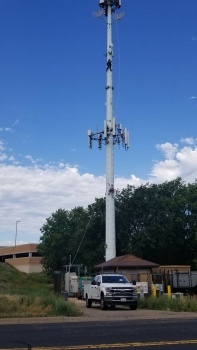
(115, 4)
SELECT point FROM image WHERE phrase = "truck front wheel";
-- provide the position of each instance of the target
(88, 302)
(103, 304)
(133, 307)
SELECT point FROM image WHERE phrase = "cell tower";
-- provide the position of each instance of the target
(113, 133)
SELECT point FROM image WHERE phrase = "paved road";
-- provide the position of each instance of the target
(140, 334)
(97, 329)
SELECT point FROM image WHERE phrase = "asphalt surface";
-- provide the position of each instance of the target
(121, 328)
(169, 334)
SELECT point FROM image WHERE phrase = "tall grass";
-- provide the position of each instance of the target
(169, 304)
(30, 295)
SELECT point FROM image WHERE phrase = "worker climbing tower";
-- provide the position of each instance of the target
(112, 133)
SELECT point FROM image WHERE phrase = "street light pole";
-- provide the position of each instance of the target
(16, 231)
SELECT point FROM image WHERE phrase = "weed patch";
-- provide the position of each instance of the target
(30, 295)
(169, 304)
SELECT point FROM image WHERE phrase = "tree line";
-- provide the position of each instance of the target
(155, 222)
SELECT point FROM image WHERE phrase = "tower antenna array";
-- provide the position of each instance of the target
(112, 133)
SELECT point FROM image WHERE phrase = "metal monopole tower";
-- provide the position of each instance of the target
(112, 133)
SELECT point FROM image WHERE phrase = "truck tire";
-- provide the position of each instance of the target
(112, 307)
(88, 302)
(132, 307)
(103, 304)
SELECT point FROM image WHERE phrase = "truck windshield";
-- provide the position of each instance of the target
(114, 279)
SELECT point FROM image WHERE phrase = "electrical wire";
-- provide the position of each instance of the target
(82, 239)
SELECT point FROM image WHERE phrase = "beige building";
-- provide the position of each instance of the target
(131, 266)
(23, 257)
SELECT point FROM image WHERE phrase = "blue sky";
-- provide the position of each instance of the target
(52, 90)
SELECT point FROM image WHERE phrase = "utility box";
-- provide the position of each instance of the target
(182, 280)
(71, 283)
(83, 281)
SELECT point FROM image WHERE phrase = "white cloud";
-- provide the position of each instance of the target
(2, 147)
(193, 97)
(189, 140)
(61, 165)
(32, 193)
(16, 122)
(30, 158)
(168, 149)
(6, 129)
(179, 161)
(165, 170)
(3, 157)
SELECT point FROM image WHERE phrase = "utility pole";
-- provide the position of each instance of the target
(16, 231)
(113, 132)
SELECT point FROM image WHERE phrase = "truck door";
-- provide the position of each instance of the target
(96, 288)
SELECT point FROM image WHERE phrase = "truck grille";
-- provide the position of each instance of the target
(122, 292)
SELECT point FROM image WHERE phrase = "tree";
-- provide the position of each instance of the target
(79, 234)
(157, 223)
(92, 251)
(59, 237)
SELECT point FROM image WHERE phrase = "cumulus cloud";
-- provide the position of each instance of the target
(189, 140)
(178, 161)
(166, 170)
(168, 149)
(30, 193)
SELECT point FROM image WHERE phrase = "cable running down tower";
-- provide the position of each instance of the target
(112, 133)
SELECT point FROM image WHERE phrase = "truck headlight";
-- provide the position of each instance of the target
(108, 291)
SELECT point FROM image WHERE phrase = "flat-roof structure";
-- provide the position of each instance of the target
(24, 257)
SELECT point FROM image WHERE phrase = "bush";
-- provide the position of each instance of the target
(166, 303)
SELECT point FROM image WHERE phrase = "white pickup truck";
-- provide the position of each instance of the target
(111, 290)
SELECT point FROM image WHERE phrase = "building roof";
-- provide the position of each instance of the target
(127, 261)
(22, 248)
